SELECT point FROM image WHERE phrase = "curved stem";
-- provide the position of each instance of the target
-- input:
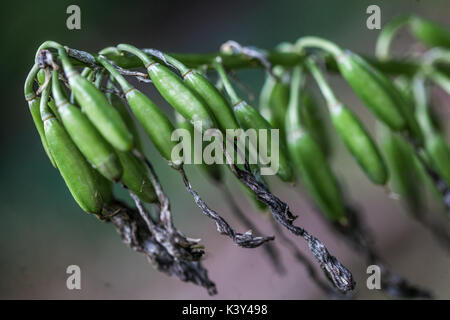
(296, 84)
(45, 45)
(421, 98)
(126, 86)
(28, 87)
(168, 59)
(387, 34)
(139, 53)
(226, 82)
(320, 43)
(44, 108)
(440, 79)
(436, 55)
(324, 87)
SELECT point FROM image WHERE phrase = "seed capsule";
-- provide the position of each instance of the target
(403, 167)
(117, 103)
(86, 137)
(439, 153)
(249, 118)
(351, 131)
(313, 120)
(359, 143)
(135, 177)
(371, 86)
(94, 103)
(79, 176)
(213, 171)
(217, 103)
(155, 123)
(309, 159)
(430, 33)
(174, 91)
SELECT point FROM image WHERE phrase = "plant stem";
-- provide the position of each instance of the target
(320, 43)
(324, 87)
(226, 82)
(387, 34)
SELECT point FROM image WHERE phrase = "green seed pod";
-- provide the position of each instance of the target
(351, 131)
(430, 33)
(217, 103)
(94, 103)
(135, 177)
(389, 89)
(105, 188)
(403, 167)
(86, 137)
(117, 103)
(313, 120)
(156, 124)
(213, 171)
(437, 150)
(370, 85)
(439, 153)
(34, 107)
(359, 143)
(79, 176)
(249, 118)
(174, 91)
(309, 160)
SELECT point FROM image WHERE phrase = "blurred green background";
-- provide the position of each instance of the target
(42, 230)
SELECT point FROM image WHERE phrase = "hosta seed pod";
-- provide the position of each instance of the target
(430, 33)
(78, 175)
(217, 103)
(117, 103)
(359, 143)
(34, 107)
(309, 159)
(437, 150)
(249, 118)
(174, 91)
(135, 177)
(92, 145)
(439, 153)
(313, 120)
(213, 171)
(351, 131)
(403, 167)
(370, 85)
(94, 103)
(155, 123)
(397, 98)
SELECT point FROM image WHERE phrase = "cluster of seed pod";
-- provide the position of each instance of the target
(91, 138)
